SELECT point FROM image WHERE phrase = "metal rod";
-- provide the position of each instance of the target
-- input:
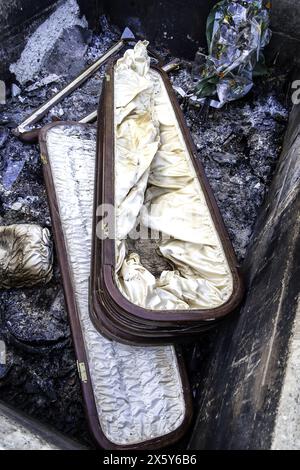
(31, 136)
(89, 118)
(42, 110)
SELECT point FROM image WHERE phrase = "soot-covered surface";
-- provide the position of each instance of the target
(238, 145)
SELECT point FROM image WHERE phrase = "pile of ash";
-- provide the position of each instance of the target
(238, 146)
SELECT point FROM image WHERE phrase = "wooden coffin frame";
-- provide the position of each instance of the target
(114, 315)
(92, 413)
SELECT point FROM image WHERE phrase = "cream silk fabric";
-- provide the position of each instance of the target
(156, 185)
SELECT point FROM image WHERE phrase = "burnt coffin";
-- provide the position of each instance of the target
(163, 268)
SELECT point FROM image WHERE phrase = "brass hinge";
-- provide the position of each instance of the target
(82, 371)
(43, 159)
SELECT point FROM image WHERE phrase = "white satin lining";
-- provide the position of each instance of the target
(156, 182)
(138, 390)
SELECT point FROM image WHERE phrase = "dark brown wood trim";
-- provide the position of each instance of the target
(111, 312)
(78, 340)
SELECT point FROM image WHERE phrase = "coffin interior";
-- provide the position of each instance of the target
(159, 198)
(138, 390)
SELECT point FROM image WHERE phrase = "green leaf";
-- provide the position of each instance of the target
(260, 68)
(206, 87)
(210, 22)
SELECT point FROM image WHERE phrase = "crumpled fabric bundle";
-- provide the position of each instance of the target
(155, 181)
(237, 32)
(26, 255)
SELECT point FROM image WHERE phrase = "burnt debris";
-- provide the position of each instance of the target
(238, 145)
